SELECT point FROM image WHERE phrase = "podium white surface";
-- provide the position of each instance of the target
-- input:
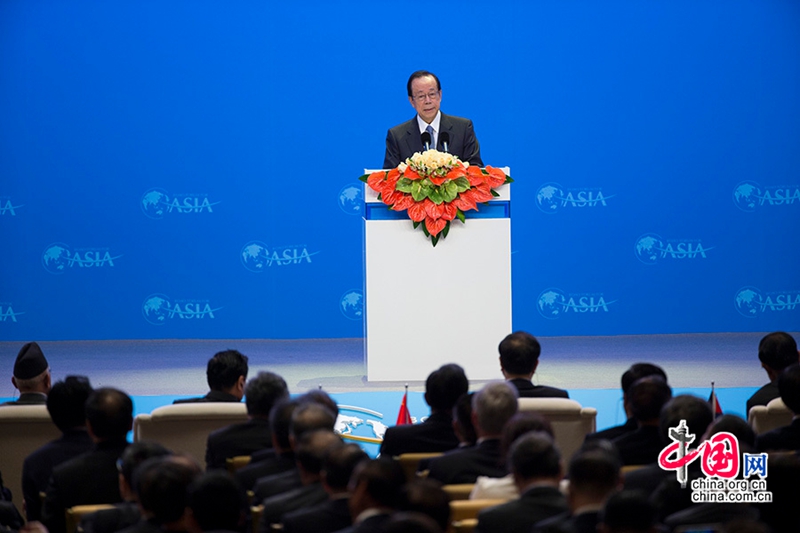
(427, 306)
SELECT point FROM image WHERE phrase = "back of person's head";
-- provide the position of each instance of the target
(777, 350)
(534, 455)
(31, 369)
(789, 387)
(444, 386)
(696, 412)
(264, 391)
(426, 496)
(380, 481)
(411, 522)
(628, 512)
(638, 371)
(595, 474)
(162, 484)
(217, 502)
(462, 417)
(313, 447)
(736, 426)
(280, 421)
(225, 368)
(519, 353)
(66, 402)
(339, 464)
(137, 453)
(109, 413)
(310, 416)
(321, 397)
(521, 423)
(493, 406)
(647, 396)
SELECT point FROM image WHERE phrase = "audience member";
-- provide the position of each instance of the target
(411, 522)
(226, 374)
(376, 491)
(262, 392)
(279, 458)
(536, 466)
(636, 372)
(776, 351)
(492, 407)
(66, 405)
(462, 421)
(31, 376)
(10, 517)
(787, 437)
(92, 477)
(628, 512)
(216, 503)
(519, 357)
(781, 513)
(642, 446)
(427, 497)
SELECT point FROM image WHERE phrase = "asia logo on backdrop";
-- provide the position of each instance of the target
(351, 304)
(351, 198)
(750, 195)
(554, 303)
(7, 207)
(156, 203)
(258, 257)
(58, 257)
(551, 197)
(159, 308)
(651, 248)
(7, 312)
(753, 302)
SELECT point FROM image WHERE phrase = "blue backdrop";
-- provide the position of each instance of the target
(188, 169)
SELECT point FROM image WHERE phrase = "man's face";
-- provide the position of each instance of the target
(425, 97)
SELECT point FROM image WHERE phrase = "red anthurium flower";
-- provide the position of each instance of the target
(376, 181)
(412, 175)
(480, 194)
(464, 202)
(456, 172)
(449, 211)
(438, 180)
(432, 210)
(496, 177)
(435, 226)
(416, 212)
(403, 203)
(475, 176)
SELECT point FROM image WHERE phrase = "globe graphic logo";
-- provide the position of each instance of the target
(549, 197)
(254, 256)
(352, 304)
(552, 303)
(154, 203)
(648, 247)
(748, 302)
(155, 309)
(56, 257)
(747, 195)
(351, 198)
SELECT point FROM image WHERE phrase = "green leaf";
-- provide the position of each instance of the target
(446, 230)
(436, 196)
(460, 216)
(404, 185)
(364, 178)
(508, 179)
(415, 224)
(417, 192)
(462, 183)
(434, 240)
(425, 231)
(495, 193)
(450, 191)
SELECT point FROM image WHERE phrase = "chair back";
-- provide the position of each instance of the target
(410, 462)
(571, 422)
(461, 510)
(235, 463)
(459, 491)
(763, 418)
(75, 514)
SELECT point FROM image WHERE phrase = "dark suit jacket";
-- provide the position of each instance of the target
(613, 432)
(38, 466)
(534, 505)
(526, 389)
(647, 479)
(373, 524)
(121, 516)
(300, 498)
(464, 465)
(404, 140)
(248, 475)
(212, 396)
(327, 517)
(568, 523)
(434, 435)
(87, 479)
(763, 396)
(785, 438)
(29, 398)
(640, 447)
(237, 439)
(276, 484)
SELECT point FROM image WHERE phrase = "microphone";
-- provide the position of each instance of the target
(444, 140)
(426, 140)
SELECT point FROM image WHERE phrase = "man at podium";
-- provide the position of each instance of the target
(450, 134)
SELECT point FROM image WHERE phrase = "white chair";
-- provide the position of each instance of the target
(763, 418)
(185, 427)
(571, 422)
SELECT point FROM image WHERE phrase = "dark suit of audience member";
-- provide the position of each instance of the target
(280, 458)
(646, 398)
(91, 478)
(31, 376)
(787, 437)
(536, 466)
(628, 511)
(65, 403)
(226, 374)
(377, 493)
(442, 389)
(776, 351)
(216, 503)
(427, 497)
(262, 392)
(519, 358)
(493, 406)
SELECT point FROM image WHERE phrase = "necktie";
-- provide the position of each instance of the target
(429, 129)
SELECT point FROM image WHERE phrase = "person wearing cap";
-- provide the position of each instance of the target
(31, 376)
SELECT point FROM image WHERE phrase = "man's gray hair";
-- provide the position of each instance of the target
(494, 405)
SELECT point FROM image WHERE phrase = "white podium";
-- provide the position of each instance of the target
(428, 306)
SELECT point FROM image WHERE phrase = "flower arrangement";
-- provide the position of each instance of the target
(435, 188)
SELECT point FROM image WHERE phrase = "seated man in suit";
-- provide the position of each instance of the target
(776, 351)
(442, 389)
(263, 392)
(426, 496)
(536, 466)
(519, 357)
(65, 403)
(493, 406)
(31, 376)
(642, 446)
(91, 478)
(425, 96)
(636, 372)
(376, 491)
(226, 374)
(217, 503)
(785, 438)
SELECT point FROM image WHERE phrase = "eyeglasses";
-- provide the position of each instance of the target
(429, 96)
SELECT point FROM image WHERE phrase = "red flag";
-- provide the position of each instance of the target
(403, 417)
(715, 407)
